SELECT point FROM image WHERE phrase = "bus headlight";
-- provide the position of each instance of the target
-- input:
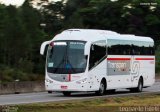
(82, 81)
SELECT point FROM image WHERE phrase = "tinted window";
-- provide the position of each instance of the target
(97, 53)
(127, 47)
(119, 47)
(143, 48)
(66, 57)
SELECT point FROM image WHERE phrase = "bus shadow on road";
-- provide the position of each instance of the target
(92, 94)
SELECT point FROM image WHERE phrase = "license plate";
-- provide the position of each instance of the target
(64, 87)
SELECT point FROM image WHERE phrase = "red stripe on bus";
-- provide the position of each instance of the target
(118, 58)
(144, 58)
(69, 77)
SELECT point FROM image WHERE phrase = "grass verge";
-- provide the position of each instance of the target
(113, 104)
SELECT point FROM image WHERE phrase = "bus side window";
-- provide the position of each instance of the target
(92, 58)
(97, 53)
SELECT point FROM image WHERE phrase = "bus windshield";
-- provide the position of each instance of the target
(66, 57)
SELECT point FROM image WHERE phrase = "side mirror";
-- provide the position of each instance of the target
(43, 47)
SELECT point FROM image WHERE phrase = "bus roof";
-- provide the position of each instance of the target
(95, 35)
(131, 37)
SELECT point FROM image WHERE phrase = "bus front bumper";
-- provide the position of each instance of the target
(68, 86)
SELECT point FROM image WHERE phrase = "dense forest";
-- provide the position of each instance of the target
(24, 28)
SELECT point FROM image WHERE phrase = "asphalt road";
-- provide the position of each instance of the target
(45, 97)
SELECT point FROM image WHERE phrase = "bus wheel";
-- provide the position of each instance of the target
(102, 88)
(140, 85)
(49, 92)
(66, 93)
(139, 88)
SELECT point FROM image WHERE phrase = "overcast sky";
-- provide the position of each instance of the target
(16, 2)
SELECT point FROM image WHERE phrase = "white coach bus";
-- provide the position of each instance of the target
(98, 60)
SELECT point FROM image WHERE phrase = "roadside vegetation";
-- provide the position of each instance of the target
(112, 104)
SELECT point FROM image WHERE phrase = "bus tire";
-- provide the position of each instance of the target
(49, 92)
(102, 88)
(140, 85)
(66, 93)
(139, 88)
